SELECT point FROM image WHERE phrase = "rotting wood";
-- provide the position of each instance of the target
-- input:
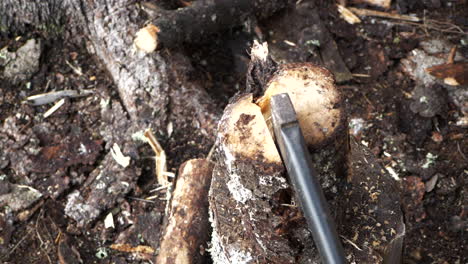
(187, 231)
(194, 23)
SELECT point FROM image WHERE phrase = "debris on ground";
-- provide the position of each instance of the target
(413, 195)
(105, 186)
(18, 197)
(434, 52)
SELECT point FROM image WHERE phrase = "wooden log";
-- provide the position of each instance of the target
(247, 175)
(372, 222)
(202, 18)
(187, 231)
(253, 212)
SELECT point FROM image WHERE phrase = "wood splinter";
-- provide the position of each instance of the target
(186, 234)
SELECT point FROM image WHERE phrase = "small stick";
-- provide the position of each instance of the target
(368, 12)
(379, 3)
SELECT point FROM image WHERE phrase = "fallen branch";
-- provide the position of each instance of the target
(369, 12)
(186, 232)
(202, 18)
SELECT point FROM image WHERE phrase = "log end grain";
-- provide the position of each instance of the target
(315, 97)
(147, 38)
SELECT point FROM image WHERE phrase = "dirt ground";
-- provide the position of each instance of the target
(61, 153)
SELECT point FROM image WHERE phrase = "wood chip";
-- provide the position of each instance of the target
(347, 15)
(379, 3)
(109, 221)
(119, 157)
(454, 74)
(46, 98)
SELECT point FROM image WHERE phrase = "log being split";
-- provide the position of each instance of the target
(249, 197)
(187, 230)
(202, 18)
(252, 209)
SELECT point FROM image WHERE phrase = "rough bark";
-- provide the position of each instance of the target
(372, 217)
(187, 231)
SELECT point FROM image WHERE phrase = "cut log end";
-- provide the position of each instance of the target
(315, 98)
(147, 38)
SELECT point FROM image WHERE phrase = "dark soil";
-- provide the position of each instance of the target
(429, 154)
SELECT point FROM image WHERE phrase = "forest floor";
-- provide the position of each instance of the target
(413, 124)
